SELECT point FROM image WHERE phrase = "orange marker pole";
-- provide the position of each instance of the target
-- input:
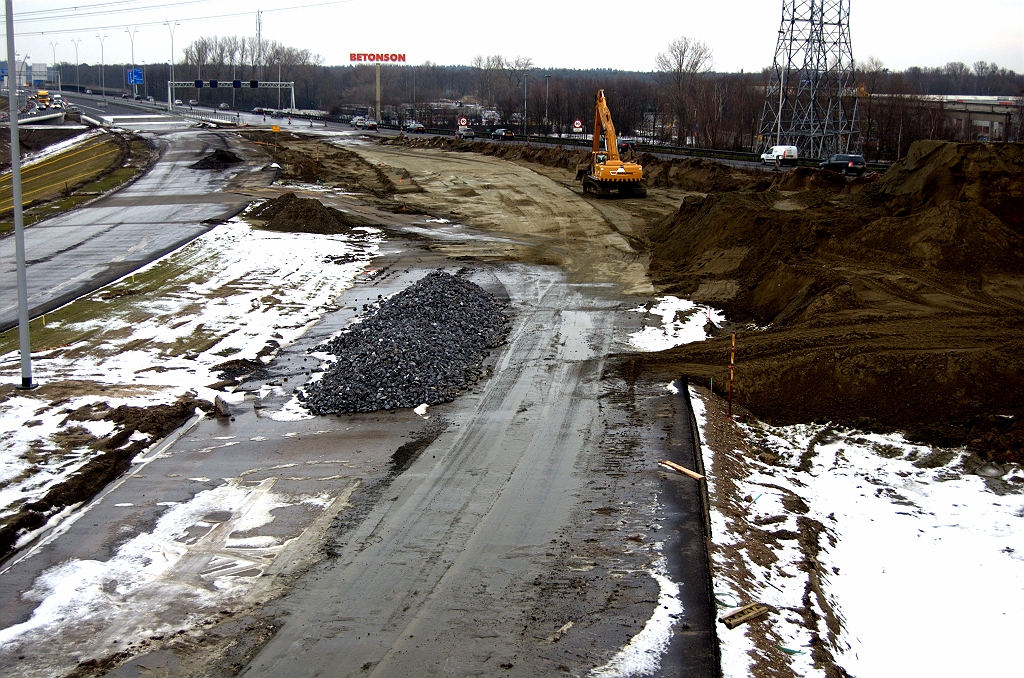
(732, 363)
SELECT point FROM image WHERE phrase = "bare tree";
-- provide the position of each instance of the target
(682, 68)
(872, 76)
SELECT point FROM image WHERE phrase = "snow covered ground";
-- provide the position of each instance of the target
(234, 290)
(902, 559)
(681, 322)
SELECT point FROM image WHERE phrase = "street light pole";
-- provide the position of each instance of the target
(547, 83)
(19, 221)
(78, 80)
(526, 79)
(20, 71)
(131, 36)
(170, 27)
(53, 46)
(103, 68)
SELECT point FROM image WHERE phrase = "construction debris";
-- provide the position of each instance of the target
(743, 615)
(672, 466)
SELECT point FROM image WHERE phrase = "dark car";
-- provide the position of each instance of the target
(626, 147)
(416, 128)
(844, 164)
(224, 106)
(138, 97)
(502, 133)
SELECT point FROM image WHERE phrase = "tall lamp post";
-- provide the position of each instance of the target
(19, 222)
(103, 68)
(547, 84)
(53, 46)
(170, 27)
(19, 77)
(131, 36)
(78, 80)
(526, 79)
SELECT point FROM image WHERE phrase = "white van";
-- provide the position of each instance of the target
(782, 155)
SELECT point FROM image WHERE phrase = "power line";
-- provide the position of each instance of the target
(160, 22)
(77, 13)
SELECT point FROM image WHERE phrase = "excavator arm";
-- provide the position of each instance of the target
(604, 127)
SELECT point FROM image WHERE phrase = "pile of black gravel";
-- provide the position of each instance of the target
(424, 345)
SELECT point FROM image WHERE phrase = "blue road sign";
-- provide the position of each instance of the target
(3, 72)
(135, 76)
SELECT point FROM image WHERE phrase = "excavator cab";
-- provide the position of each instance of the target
(606, 172)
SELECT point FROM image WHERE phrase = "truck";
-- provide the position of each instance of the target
(605, 171)
(42, 99)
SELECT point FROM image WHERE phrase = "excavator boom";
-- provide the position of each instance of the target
(604, 127)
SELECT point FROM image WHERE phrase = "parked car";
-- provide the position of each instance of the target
(844, 164)
(416, 128)
(502, 133)
(781, 155)
(224, 106)
(177, 102)
(193, 102)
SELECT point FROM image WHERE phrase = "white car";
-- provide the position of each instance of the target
(177, 102)
(781, 155)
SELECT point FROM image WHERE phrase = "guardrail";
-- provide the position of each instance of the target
(655, 149)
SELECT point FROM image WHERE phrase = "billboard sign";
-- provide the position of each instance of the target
(135, 76)
(353, 56)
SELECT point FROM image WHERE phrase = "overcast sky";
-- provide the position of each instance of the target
(580, 34)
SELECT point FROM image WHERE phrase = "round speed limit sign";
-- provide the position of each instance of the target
(577, 124)
(463, 122)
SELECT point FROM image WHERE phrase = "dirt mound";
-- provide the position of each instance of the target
(898, 307)
(116, 452)
(935, 172)
(700, 175)
(292, 214)
(956, 237)
(218, 160)
(810, 179)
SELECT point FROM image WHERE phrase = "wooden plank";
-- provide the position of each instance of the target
(744, 614)
(672, 466)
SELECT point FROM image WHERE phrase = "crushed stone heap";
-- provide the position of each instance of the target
(425, 344)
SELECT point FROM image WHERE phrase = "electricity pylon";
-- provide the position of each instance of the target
(811, 97)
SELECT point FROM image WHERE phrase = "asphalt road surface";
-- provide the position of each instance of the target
(84, 249)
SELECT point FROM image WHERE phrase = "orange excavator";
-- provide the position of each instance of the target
(606, 172)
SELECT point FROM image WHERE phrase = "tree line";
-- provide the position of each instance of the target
(681, 101)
